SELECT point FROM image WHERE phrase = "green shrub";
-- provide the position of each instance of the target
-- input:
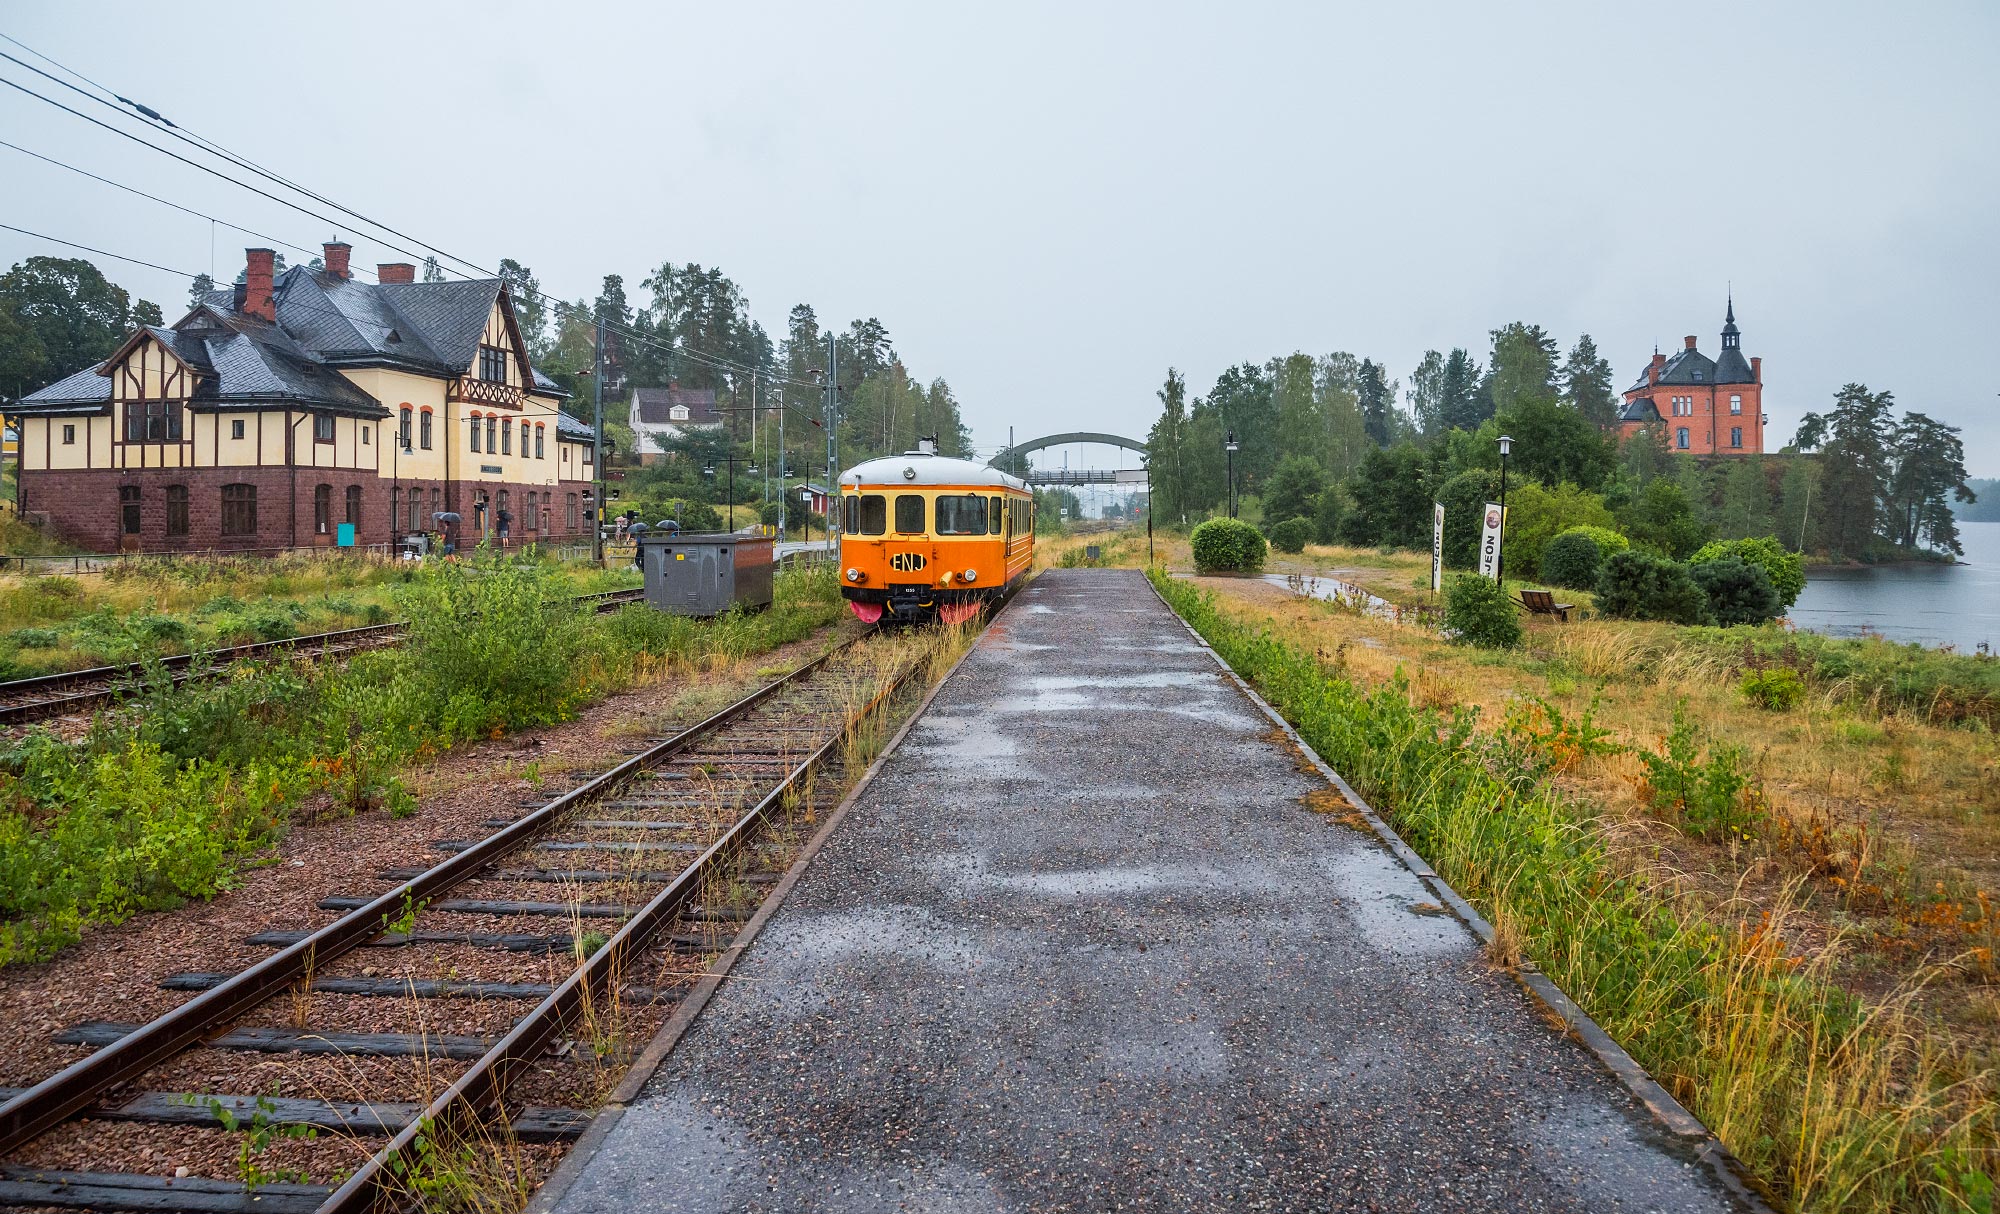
(36, 638)
(1774, 689)
(1291, 535)
(1572, 560)
(1638, 585)
(1787, 570)
(1714, 798)
(160, 628)
(1227, 545)
(1738, 592)
(1479, 611)
(1608, 541)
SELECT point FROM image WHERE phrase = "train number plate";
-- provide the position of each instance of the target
(907, 562)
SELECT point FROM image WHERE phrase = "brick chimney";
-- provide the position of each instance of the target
(257, 299)
(335, 257)
(1654, 368)
(1690, 341)
(395, 271)
(1757, 370)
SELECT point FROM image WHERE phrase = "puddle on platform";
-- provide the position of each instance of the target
(1390, 905)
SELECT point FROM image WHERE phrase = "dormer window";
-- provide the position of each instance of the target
(493, 364)
(679, 413)
(1697, 376)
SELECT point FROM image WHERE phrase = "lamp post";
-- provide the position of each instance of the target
(396, 483)
(1229, 445)
(1500, 556)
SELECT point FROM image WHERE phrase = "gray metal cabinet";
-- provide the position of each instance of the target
(706, 573)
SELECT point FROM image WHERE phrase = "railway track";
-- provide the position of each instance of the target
(23, 701)
(490, 998)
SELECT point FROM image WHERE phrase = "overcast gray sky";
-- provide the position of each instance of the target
(1049, 205)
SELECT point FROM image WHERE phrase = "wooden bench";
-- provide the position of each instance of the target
(1541, 602)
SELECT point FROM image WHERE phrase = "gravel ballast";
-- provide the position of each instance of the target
(1079, 946)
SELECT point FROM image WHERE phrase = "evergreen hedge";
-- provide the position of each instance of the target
(1227, 545)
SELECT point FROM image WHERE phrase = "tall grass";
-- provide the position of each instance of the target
(1835, 1103)
(165, 799)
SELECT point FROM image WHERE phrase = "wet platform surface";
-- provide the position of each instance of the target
(1080, 947)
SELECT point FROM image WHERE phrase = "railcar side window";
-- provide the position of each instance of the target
(993, 516)
(874, 515)
(961, 514)
(910, 513)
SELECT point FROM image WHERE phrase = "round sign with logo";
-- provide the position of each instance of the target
(1493, 517)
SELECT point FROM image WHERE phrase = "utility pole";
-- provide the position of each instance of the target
(831, 412)
(597, 445)
(784, 494)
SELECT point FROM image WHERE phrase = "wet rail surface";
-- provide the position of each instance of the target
(23, 701)
(1079, 946)
(475, 987)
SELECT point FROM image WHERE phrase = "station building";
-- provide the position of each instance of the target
(278, 410)
(1701, 406)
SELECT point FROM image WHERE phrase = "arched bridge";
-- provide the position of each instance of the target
(1013, 459)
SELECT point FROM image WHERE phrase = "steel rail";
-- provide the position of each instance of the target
(130, 675)
(81, 1084)
(371, 1188)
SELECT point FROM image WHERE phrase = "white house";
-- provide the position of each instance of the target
(660, 415)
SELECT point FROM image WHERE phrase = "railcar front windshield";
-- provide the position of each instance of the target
(909, 514)
(961, 514)
(867, 514)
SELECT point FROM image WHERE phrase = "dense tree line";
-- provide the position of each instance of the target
(59, 315)
(1325, 439)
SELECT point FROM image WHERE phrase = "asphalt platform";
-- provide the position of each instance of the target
(1080, 947)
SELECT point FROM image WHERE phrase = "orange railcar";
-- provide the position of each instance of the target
(926, 536)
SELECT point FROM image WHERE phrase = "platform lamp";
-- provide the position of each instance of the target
(1229, 445)
(750, 466)
(1500, 557)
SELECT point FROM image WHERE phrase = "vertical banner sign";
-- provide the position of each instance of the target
(1489, 542)
(1437, 547)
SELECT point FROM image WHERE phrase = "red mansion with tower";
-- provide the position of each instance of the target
(1701, 406)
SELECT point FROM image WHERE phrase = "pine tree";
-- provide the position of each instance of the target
(1929, 469)
(1523, 365)
(1376, 403)
(1587, 383)
(1427, 394)
(433, 272)
(1746, 500)
(1853, 439)
(1462, 404)
(199, 289)
(529, 309)
(1164, 456)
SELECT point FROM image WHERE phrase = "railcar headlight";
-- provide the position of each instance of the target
(853, 575)
(972, 575)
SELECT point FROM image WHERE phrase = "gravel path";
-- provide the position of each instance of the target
(1081, 948)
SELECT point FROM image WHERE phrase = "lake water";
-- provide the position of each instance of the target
(1957, 605)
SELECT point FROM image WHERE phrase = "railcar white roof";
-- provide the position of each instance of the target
(923, 469)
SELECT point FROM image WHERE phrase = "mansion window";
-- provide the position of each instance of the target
(424, 431)
(177, 511)
(1736, 436)
(322, 427)
(153, 421)
(239, 510)
(492, 365)
(1736, 404)
(1681, 438)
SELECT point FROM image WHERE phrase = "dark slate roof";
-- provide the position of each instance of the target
(84, 392)
(1641, 410)
(1733, 368)
(1688, 367)
(570, 428)
(544, 386)
(656, 405)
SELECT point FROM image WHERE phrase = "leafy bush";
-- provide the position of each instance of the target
(160, 628)
(1536, 515)
(1641, 586)
(1572, 560)
(1608, 540)
(36, 638)
(1291, 535)
(1786, 570)
(1714, 798)
(1738, 592)
(1227, 545)
(1774, 689)
(1294, 489)
(1464, 499)
(1479, 611)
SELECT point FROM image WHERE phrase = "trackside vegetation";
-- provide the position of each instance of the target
(1835, 1101)
(168, 798)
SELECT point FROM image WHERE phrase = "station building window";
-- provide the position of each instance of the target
(69, 436)
(473, 429)
(424, 430)
(492, 432)
(322, 427)
(128, 509)
(239, 510)
(540, 432)
(354, 505)
(236, 427)
(177, 511)
(403, 435)
(322, 509)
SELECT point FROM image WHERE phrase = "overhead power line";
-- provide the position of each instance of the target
(100, 252)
